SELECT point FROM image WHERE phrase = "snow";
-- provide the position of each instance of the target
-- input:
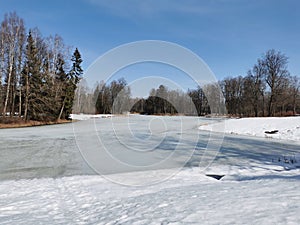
(44, 179)
(88, 116)
(288, 127)
(189, 197)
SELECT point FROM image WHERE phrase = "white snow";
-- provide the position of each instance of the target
(89, 116)
(189, 197)
(288, 127)
(260, 186)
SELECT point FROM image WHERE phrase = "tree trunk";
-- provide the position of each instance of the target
(294, 104)
(20, 102)
(263, 105)
(61, 110)
(8, 87)
(270, 105)
(26, 98)
(1, 68)
(13, 101)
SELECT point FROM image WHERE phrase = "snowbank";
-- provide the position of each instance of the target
(288, 127)
(88, 116)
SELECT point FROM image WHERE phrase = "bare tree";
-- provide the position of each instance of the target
(216, 101)
(2, 65)
(283, 97)
(295, 92)
(275, 71)
(254, 88)
(233, 90)
(199, 100)
(19, 67)
(13, 39)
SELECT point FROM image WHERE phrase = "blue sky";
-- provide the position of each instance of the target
(229, 35)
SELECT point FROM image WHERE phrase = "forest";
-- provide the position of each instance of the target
(41, 80)
(38, 75)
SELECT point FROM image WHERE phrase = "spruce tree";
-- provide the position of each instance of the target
(76, 70)
(62, 85)
(31, 80)
(74, 77)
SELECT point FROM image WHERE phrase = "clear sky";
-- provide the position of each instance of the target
(229, 35)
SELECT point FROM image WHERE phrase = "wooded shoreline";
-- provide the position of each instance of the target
(31, 123)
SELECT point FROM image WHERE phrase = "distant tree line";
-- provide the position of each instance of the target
(106, 98)
(38, 76)
(268, 89)
(164, 101)
(115, 98)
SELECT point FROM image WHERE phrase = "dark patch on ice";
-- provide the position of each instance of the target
(269, 177)
(216, 176)
(271, 132)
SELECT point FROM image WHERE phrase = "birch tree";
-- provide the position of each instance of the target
(12, 29)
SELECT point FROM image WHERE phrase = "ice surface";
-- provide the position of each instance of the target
(45, 180)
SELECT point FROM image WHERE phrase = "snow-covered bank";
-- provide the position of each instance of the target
(189, 197)
(88, 116)
(288, 127)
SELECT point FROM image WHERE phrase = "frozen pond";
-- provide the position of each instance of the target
(138, 142)
(45, 180)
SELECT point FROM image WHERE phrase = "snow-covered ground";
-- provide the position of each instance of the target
(288, 127)
(88, 116)
(187, 198)
(44, 179)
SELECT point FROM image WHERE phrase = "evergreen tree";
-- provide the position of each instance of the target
(36, 85)
(31, 80)
(72, 80)
(61, 81)
(76, 71)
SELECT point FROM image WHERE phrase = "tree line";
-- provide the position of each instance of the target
(163, 101)
(267, 89)
(115, 98)
(38, 76)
